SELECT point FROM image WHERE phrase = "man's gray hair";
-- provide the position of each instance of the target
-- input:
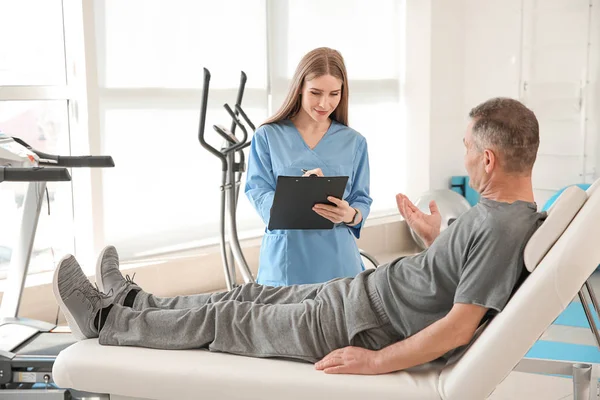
(509, 127)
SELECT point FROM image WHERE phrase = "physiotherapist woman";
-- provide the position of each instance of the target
(310, 135)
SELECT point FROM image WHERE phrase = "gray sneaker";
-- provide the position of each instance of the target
(78, 299)
(108, 276)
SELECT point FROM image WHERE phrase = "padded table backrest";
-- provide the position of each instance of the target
(559, 275)
(559, 217)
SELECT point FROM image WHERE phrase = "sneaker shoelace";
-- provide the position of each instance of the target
(96, 295)
(129, 279)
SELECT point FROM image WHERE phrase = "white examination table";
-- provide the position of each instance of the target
(562, 254)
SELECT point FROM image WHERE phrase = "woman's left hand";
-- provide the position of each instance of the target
(316, 171)
(340, 212)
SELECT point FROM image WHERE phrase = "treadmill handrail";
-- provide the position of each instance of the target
(69, 161)
(34, 174)
(78, 161)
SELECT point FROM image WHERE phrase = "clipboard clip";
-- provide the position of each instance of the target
(311, 175)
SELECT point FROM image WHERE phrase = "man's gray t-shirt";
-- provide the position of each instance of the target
(477, 260)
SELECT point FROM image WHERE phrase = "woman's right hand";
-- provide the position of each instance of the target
(426, 226)
(316, 171)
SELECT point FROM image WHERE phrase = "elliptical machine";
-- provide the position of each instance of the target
(232, 170)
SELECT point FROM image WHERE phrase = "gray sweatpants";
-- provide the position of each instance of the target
(304, 322)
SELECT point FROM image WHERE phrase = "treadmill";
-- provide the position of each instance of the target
(28, 347)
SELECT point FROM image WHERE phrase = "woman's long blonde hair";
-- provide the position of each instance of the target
(316, 63)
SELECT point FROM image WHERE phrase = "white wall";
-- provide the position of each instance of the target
(417, 94)
(593, 106)
(434, 93)
(435, 65)
(555, 62)
(448, 118)
(492, 44)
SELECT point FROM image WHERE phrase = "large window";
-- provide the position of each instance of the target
(34, 106)
(32, 45)
(164, 193)
(165, 44)
(137, 98)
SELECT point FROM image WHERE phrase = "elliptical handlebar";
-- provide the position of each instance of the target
(203, 142)
(237, 122)
(235, 144)
(238, 101)
(244, 116)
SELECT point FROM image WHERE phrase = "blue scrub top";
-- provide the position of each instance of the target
(289, 257)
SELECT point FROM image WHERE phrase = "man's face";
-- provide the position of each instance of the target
(473, 159)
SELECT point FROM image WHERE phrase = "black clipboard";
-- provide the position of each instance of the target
(295, 197)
